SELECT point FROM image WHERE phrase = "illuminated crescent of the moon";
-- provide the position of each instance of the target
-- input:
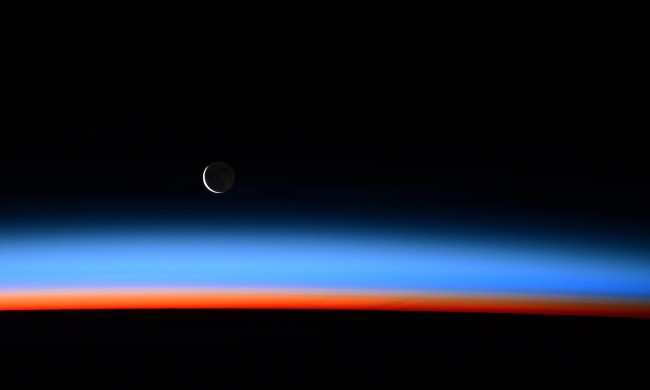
(206, 183)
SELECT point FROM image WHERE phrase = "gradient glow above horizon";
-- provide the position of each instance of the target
(181, 264)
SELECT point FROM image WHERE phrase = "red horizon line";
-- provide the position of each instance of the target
(317, 300)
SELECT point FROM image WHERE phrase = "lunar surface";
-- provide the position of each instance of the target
(218, 177)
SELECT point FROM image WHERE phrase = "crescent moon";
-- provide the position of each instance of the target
(206, 183)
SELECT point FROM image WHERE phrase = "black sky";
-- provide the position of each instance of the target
(517, 122)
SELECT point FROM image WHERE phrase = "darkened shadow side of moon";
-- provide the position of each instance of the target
(218, 177)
